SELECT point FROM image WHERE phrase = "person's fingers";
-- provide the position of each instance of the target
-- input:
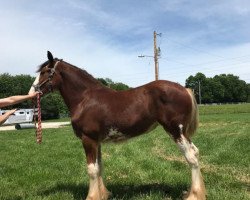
(12, 111)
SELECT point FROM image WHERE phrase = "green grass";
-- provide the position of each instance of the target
(225, 109)
(149, 167)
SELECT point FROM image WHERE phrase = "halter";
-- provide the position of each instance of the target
(49, 79)
(38, 103)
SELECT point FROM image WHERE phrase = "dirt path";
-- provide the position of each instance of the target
(44, 125)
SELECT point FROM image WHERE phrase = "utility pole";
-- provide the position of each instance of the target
(157, 52)
(156, 58)
(199, 91)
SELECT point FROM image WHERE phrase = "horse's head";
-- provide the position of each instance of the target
(48, 78)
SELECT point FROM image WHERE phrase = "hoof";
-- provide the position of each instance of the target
(105, 194)
(96, 197)
(194, 195)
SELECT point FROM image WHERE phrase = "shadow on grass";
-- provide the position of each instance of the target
(121, 191)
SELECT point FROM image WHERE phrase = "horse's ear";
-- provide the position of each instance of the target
(50, 56)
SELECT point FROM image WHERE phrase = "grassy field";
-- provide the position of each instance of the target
(148, 167)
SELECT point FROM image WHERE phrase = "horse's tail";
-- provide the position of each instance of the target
(193, 122)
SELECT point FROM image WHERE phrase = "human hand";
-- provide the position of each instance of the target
(33, 94)
(10, 112)
(6, 115)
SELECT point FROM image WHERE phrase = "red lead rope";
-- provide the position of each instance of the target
(39, 119)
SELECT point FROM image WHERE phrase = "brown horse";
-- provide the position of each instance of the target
(100, 114)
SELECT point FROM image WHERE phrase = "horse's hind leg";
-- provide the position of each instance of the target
(97, 190)
(191, 153)
(104, 192)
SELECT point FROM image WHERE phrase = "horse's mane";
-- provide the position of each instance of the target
(86, 74)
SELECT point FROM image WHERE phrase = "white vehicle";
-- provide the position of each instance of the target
(20, 116)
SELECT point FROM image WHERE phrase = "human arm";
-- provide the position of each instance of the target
(16, 99)
(6, 115)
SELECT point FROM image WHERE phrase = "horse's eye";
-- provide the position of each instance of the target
(42, 73)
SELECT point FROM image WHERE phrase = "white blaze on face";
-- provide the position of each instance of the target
(32, 88)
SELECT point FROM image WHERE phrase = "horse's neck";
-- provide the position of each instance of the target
(74, 83)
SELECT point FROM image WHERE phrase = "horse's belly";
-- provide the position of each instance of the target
(116, 135)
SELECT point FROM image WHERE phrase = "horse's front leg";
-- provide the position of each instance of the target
(93, 165)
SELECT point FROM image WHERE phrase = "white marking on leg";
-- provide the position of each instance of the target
(181, 128)
(93, 172)
(183, 144)
(196, 178)
(196, 150)
(190, 151)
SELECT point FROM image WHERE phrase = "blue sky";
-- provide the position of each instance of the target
(105, 37)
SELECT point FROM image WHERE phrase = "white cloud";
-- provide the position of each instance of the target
(106, 38)
(200, 10)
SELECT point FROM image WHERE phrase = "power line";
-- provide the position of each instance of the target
(144, 74)
(209, 66)
(195, 71)
(194, 49)
(205, 63)
(212, 67)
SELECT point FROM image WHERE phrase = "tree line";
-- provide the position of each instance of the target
(224, 88)
(219, 89)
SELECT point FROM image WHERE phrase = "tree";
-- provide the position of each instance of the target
(22, 86)
(15, 85)
(221, 88)
(119, 86)
(193, 83)
(216, 91)
(61, 106)
(49, 107)
(7, 85)
(111, 84)
(235, 90)
(103, 81)
(248, 93)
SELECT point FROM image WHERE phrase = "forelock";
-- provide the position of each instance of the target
(40, 67)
